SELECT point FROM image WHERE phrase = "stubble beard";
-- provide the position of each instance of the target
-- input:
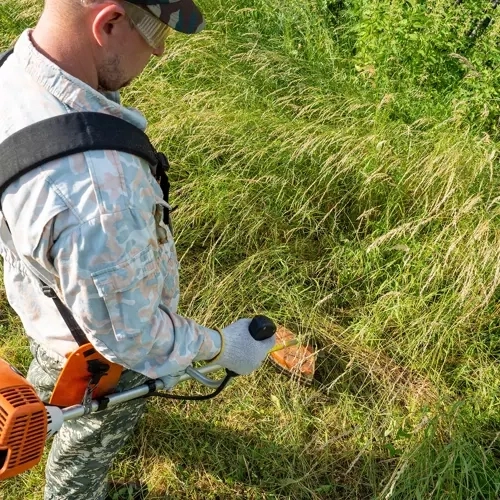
(110, 75)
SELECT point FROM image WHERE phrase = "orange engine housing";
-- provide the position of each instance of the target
(23, 423)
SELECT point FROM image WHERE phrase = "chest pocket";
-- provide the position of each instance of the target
(130, 290)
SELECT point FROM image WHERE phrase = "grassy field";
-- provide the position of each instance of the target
(336, 167)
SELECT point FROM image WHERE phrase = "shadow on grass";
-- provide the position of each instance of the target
(213, 459)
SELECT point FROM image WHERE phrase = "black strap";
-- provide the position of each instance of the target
(69, 134)
(4, 56)
(73, 133)
(162, 178)
(74, 328)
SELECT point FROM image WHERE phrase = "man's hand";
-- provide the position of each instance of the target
(240, 353)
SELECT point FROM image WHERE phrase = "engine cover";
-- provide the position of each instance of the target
(23, 423)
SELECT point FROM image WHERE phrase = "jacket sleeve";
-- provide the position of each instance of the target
(120, 280)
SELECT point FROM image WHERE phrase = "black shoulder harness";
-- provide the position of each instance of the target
(68, 134)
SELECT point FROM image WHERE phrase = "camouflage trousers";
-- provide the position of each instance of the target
(83, 450)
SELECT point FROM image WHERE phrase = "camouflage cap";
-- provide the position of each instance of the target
(181, 15)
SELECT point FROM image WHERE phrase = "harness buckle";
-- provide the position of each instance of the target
(49, 292)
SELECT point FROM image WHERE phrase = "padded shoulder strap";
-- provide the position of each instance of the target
(68, 134)
(4, 55)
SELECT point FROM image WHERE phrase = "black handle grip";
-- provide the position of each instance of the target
(261, 328)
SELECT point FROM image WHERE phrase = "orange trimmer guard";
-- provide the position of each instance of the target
(296, 361)
(75, 377)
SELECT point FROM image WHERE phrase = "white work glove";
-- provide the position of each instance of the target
(240, 353)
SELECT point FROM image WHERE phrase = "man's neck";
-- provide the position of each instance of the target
(72, 53)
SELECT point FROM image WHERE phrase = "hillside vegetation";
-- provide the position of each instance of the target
(335, 164)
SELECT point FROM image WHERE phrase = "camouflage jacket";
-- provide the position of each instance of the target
(90, 225)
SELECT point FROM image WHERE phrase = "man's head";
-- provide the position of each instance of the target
(118, 36)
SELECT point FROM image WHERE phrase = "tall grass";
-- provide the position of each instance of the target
(335, 167)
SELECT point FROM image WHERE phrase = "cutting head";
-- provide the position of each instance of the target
(297, 361)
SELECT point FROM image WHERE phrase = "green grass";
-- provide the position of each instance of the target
(336, 167)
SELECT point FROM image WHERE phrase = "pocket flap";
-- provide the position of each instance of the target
(127, 274)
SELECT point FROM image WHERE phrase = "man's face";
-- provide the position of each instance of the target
(119, 68)
(124, 55)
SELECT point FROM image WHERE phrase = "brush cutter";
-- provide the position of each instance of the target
(26, 423)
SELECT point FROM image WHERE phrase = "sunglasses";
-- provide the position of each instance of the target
(148, 25)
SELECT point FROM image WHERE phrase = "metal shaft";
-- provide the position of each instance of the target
(77, 411)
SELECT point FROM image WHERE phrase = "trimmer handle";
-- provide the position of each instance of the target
(261, 328)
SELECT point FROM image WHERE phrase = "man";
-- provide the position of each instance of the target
(91, 226)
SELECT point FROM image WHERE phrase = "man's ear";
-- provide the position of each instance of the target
(108, 21)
